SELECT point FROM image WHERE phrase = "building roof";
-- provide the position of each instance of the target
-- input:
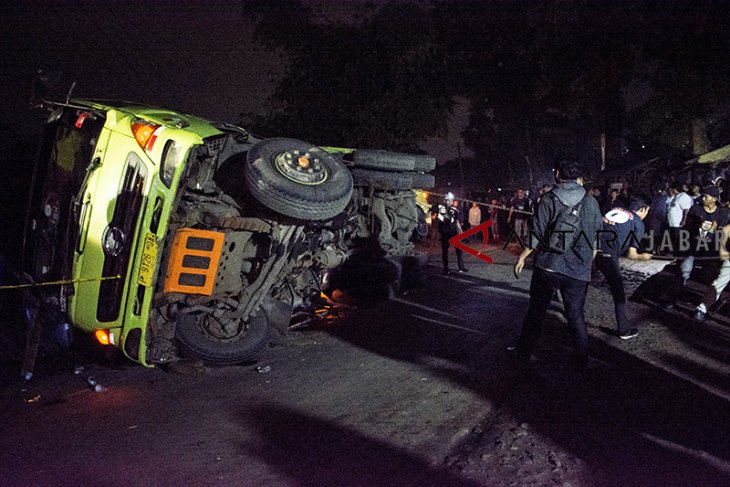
(718, 155)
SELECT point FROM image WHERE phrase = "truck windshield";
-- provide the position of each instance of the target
(66, 153)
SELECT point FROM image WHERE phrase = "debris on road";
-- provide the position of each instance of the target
(30, 400)
(93, 384)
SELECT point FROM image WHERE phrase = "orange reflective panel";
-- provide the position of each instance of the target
(193, 261)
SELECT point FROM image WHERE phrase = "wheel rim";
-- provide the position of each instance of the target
(301, 167)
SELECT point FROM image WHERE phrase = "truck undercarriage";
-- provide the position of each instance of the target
(269, 264)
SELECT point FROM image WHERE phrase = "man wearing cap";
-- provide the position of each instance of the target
(700, 230)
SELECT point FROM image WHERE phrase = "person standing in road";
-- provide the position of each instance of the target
(657, 219)
(597, 193)
(679, 206)
(475, 216)
(612, 201)
(449, 226)
(622, 232)
(521, 207)
(625, 196)
(701, 226)
(567, 268)
(720, 282)
(543, 189)
(495, 209)
(701, 223)
(695, 193)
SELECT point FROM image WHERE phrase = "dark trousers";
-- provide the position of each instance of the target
(522, 229)
(445, 252)
(542, 288)
(612, 272)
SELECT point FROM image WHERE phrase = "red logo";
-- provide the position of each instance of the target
(456, 241)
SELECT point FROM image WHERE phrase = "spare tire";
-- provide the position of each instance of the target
(423, 181)
(297, 179)
(393, 181)
(393, 161)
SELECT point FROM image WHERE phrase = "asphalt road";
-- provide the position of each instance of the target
(417, 391)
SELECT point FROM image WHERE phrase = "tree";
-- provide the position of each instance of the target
(555, 75)
(548, 80)
(378, 81)
(542, 78)
(684, 66)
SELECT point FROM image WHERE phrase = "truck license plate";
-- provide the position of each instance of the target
(149, 259)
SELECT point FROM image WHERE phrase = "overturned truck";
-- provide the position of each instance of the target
(172, 236)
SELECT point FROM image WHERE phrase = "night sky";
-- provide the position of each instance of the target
(200, 57)
(196, 57)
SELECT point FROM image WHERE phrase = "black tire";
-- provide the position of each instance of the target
(393, 161)
(271, 187)
(423, 181)
(195, 342)
(393, 181)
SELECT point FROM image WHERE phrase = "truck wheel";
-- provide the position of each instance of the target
(297, 179)
(393, 181)
(423, 181)
(221, 341)
(393, 161)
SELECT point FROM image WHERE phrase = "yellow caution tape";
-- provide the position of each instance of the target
(59, 283)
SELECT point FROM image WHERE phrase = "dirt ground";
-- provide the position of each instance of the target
(417, 391)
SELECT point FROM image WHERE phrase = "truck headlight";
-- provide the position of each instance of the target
(172, 156)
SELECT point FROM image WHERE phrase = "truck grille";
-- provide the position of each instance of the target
(126, 214)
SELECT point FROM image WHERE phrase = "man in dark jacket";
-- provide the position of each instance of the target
(623, 229)
(449, 224)
(567, 270)
(519, 213)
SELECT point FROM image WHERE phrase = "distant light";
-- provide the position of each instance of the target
(499, 189)
(643, 146)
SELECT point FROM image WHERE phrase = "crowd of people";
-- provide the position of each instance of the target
(684, 221)
(512, 214)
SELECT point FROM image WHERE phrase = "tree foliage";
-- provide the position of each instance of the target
(685, 64)
(551, 77)
(379, 82)
(542, 78)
